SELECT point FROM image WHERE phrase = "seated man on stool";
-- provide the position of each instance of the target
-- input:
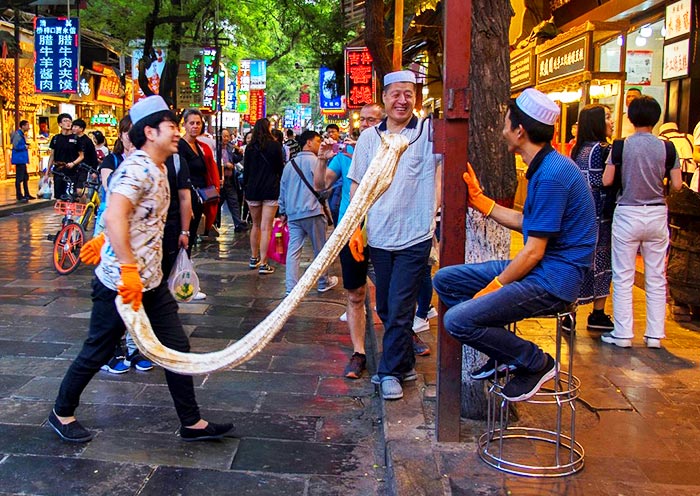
(559, 235)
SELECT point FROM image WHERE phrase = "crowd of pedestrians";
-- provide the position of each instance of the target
(583, 221)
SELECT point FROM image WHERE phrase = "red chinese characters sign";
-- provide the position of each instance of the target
(359, 77)
(256, 106)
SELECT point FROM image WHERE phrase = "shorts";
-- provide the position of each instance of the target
(266, 203)
(354, 272)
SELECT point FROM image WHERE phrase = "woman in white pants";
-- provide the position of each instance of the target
(640, 223)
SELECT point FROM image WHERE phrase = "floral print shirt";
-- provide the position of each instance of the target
(145, 184)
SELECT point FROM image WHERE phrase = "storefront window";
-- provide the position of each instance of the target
(644, 63)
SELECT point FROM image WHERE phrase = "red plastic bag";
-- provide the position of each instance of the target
(279, 240)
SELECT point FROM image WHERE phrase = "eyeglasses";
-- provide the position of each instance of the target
(371, 120)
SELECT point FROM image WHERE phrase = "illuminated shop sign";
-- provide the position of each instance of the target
(522, 70)
(210, 78)
(359, 77)
(328, 89)
(56, 54)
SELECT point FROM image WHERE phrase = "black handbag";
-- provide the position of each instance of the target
(321, 196)
(207, 194)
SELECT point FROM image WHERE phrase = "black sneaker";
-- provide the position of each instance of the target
(600, 321)
(73, 432)
(265, 269)
(489, 369)
(138, 361)
(354, 368)
(253, 263)
(211, 431)
(524, 385)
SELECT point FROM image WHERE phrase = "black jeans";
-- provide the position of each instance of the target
(171, 238)
(22, 178)
(197, 211)
(107, 329)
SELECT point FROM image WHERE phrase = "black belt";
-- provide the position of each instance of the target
(644, 205)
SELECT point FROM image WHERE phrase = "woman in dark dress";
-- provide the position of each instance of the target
(595, 127)
(263, 164)
(200, 162)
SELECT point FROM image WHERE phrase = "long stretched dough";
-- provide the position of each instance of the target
(375, 182)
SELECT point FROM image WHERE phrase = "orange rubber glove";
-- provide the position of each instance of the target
(477, 199)
(357, 245)
(490, 288)
(131, 287)
(90, 252)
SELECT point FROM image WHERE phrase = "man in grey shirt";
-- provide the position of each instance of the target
(399, 226)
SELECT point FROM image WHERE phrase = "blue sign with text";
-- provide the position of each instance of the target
(56, 54)
(328, 89)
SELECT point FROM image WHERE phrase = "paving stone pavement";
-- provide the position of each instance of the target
(301, 428)
(637, 419)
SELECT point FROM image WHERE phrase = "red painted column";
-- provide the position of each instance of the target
(451, 139)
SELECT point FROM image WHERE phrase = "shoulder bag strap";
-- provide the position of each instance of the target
(303, 178)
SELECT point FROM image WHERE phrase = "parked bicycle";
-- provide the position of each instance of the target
(77, 217)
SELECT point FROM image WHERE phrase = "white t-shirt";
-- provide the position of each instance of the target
(145, 184)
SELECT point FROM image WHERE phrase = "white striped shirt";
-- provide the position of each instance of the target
(405, 214)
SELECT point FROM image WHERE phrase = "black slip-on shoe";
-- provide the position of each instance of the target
(73, 432)
(525, 385)
(211, 431)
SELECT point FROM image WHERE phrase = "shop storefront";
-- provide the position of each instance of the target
(658, 52)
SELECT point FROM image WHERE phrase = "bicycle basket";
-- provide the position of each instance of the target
(69, 208)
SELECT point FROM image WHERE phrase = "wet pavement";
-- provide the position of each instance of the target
(300, 427)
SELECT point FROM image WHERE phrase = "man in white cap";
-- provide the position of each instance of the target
(558, 227)
(130, 266)
(399, 227)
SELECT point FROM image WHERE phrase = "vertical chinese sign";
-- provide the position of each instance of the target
(243, 86)
(258, 82)
(359, 77)
(56, 54)
(210, 79)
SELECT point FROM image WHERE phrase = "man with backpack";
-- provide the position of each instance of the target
(640, 222)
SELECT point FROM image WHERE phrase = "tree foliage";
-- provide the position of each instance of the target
(295, 37)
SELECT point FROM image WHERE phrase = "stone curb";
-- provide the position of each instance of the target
(18, 208)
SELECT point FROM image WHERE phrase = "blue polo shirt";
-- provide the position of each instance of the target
(559, 206)
(340, 164)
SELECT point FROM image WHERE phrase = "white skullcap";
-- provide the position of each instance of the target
(538, 106)
(400, 77)
(147, 106)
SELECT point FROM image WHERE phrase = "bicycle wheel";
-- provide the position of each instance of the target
(66, 248)
(87, 217)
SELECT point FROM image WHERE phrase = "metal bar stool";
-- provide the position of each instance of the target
(498, 445)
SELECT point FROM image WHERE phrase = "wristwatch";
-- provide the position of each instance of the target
(184, 233)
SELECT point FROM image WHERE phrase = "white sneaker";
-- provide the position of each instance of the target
(344, 317)
(420, 325)
(432, 312)
(652, 342)
(199, 296)
(331, 282)
(610, 338)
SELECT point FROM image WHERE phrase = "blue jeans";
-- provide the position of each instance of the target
(313, 227)
(425, 294)
(480, 323)
(399, 274)
(106, 330)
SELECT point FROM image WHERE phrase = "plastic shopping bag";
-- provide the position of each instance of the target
(183, 281)
(45, 188)
(279, 241)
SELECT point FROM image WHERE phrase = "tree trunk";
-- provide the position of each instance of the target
(376, 37)
(495, 167)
